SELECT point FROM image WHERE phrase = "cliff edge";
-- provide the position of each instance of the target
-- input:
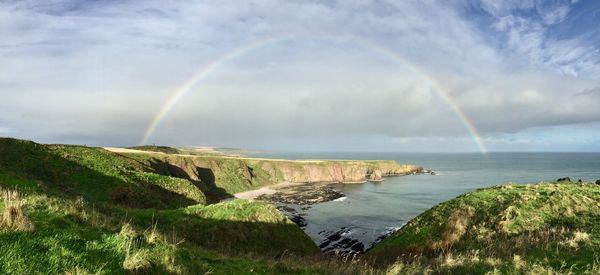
(220, 177)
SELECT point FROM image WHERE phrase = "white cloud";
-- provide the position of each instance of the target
(503, 8)
(526, 26)
(98, 73)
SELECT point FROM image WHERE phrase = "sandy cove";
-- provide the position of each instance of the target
(267, 190)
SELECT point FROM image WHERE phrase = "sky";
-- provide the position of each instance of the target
(349, 75)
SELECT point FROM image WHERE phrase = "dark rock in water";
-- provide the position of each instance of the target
(337, 243)
(324, 244)
(293, 215)
(424, 172)
(564, 179)
(598, 182)
(347, 241)
(286, 209)
(303, 195)
(300, 221)
(430, 172)
(579, 181)
(345, 246)
(335, 236)
(358, 247)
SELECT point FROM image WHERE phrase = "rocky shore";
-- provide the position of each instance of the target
(344, 241)
(579, 181)
(302, 195)
(295, 199)
(311, 193)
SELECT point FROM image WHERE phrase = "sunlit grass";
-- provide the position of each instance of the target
(553, 227)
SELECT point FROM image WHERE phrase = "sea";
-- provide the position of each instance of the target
(371, 211)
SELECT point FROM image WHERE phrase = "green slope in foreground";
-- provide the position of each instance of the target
(544, 228)
(78, 209)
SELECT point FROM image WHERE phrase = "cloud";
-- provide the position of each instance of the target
(504, 8)
(589, 93)
(528, 29)
(349, 71)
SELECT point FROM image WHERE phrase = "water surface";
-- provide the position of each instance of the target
(373, 209)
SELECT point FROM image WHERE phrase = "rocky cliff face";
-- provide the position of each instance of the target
(227, 175)
(331, 171)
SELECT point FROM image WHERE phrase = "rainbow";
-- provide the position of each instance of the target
(210, 67)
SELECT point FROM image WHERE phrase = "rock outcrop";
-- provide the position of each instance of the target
(333, 171)
(302, 195)
(228, 175)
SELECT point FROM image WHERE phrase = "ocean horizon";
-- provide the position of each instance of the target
(372, 210)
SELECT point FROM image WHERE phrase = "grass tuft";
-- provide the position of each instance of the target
(13, 215)
(137, 260)
(454, 228)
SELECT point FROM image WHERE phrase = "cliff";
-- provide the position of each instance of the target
(332, 171)
(220, 176)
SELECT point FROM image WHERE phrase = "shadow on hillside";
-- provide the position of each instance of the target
(229, 236)
(204, 179)
(58, 173)
(251, 240)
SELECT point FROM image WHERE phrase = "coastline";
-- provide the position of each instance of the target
(267, 190)
(293, 187)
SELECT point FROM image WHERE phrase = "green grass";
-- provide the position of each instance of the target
(87, 210)
(71, 196)
(550, 227)
(218, 177)
(236, 237)
(94, 173)
(154, 148)
(238, 225)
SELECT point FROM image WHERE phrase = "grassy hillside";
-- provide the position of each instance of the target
(217, 177)
(79, 209)
(542, 228)
(57, 235)
(221, 177)
(96, 174)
